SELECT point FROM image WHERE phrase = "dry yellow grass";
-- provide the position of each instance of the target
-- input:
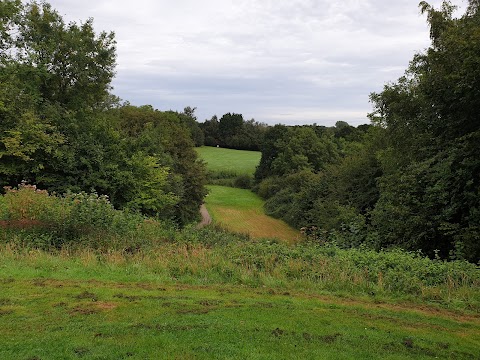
(242, 211)
(256, 224)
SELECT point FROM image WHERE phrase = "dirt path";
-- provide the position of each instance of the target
(206, 218)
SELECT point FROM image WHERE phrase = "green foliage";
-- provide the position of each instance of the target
(29, 203)
(429, 190)
(336, 200)
(67, 63)
(26, 148)
(289, 202)
(302, 149)
(233, 132)
(230, 124)
(441, 193)
(189, 119)
(412, 179)
(287, 150)
(168, 179)
(243, 182)
(62, 130)
(34, 218)
(268, 187)
(150, 196)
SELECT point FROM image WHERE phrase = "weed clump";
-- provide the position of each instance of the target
(34, 218)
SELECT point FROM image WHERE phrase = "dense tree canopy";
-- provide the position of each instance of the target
(232, 131)
(52, 77)
(62, 130)
(325, 180)
(412, 180)
(287, 150)
(430, 190)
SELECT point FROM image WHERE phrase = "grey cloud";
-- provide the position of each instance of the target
(273, 60)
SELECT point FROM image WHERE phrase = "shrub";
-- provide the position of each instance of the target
(243, 181)
(38, 219)
(29, 204)
(269, 187)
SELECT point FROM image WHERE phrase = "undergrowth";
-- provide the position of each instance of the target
(230, 179)
(34, 218)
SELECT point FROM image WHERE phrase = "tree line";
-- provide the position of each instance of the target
(412, 178)
(231, 131)
(62, 129)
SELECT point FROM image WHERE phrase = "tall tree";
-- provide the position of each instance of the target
(68, 64)
(211, 132)
(286, 150)
(53, 76)
(62, 130)
(163, 136)
(190, 121)
(429, 191)
(230, 125)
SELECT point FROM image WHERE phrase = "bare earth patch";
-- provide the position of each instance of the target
(206, 218)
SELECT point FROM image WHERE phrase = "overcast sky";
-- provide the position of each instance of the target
(277, 61)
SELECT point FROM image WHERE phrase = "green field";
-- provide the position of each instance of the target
(86, 306)
(237, 162)
(241, 211)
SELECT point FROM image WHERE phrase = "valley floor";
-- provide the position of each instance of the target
(242, 211)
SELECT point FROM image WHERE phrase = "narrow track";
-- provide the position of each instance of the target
(206, 218)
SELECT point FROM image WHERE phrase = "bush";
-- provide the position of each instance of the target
(223, 174)
(28, 204)
(243, 181)
(269, 187)
(230, 179)
(38, 219)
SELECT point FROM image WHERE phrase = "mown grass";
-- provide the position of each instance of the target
(113, 306)
(242, 211)
(228, 161)
(239, 210)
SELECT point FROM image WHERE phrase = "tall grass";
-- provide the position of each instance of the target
(39, 229)
(34, 218)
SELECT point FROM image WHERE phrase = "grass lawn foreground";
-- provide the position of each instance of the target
(77, 307)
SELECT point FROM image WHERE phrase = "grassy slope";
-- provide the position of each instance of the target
(237, 209)
(228, 160)
(242, 211)
(65, 307)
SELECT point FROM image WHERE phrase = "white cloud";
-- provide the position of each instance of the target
(263, 58)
